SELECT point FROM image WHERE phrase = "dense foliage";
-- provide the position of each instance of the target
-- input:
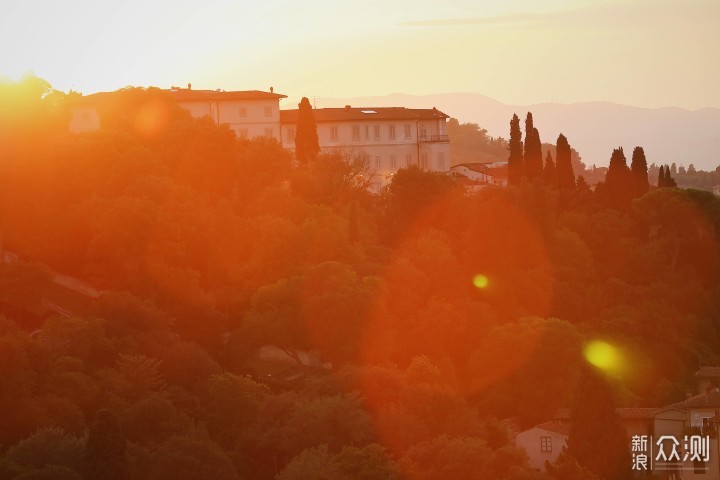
(439, 311)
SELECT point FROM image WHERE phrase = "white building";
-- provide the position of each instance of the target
(543, 443)
(250, 113)
(480, 175)
(388, 138)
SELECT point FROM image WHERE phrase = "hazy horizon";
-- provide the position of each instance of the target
(517, 52)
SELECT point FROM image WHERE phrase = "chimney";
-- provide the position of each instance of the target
(347, 108)
(271, 89)
(189, 86)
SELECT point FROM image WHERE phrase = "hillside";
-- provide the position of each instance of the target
(593, 128)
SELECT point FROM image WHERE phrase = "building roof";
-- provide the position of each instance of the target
(554, 427)
(353, 114)
(709, 399)
(495, 169)
(624, 413)
(186, 95)
(708, 372)
(189, 95)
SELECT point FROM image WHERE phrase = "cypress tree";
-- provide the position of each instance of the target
(597, 438)
(549, 171)
(533, 150)
(106, 449)
(661, 178)
(638, 167)
(307, 145)
(669, 180)
(673, 168)
(619, 181)
(516, 168)
(565, 174)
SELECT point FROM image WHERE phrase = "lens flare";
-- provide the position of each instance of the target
(603, 355)
(480, 281)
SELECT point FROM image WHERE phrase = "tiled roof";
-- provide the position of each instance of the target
(362, 114)
(704, 400)
(492, 169)
(554, 427)
(635, 412)
(185, 95)
(708, 372)
(626, 413)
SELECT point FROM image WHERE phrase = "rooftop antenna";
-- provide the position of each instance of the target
(314, 102)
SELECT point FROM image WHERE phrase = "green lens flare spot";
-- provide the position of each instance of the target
(480, 281)
(603, 355)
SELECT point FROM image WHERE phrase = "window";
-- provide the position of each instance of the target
(367, 132)
(408, 159)
(391, 132)
(268, 111)
(546, 444)
(291, 134)
(441, 160)
(377, 161)
(424, 160)
(423, 133)
(243, 133)
(377, 132)
(356, 132)
(334, 134)
(366, 160)
(269, 133)
(242, 112)
(408, 130)
(393, 162)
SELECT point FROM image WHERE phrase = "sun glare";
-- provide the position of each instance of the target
(602, 355)
(481, 281)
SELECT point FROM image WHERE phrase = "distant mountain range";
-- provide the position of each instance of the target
(594, 128)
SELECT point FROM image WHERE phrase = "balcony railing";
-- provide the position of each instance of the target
(433, 138)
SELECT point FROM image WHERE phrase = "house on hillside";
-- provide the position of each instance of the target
(479, 175)
(388, 138)
(678, 441)
(543, 443)
(250, 113)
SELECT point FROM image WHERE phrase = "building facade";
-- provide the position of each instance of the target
(387, 138)
(543, 443)
(251, 113)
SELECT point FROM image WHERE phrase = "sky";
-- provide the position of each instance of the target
(647, 53)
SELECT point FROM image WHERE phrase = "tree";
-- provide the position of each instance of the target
(184, 458)
(691, 169)
(665, 180)
(564, 169)
(549, 172)
(661, 177)
(638, 167)
(106, 449)
(516, 169)
(619, 181)
(673, 168)
(533, 150)
(307, 146)
(566, 467)
(597, 438)
(352, 463)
